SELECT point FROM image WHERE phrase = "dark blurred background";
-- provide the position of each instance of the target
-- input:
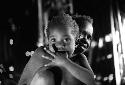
(19, 35)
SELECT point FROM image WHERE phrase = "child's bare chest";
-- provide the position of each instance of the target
(69, 79)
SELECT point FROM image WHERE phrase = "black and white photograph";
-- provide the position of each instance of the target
(62, 42)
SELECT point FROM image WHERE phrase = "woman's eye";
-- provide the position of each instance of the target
(89, 37)
(53, 39)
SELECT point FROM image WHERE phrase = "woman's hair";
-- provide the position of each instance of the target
(65, 20)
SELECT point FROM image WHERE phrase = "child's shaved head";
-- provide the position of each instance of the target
(64, 20)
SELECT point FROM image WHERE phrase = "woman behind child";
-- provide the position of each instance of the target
(83, 42)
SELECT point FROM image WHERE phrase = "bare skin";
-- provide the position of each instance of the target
(37, 70)
(72, 73)
(68, 78)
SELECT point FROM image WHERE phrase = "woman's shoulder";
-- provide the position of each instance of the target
(80, 59)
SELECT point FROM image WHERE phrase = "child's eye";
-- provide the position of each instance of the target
(53, 39)
(67, 40)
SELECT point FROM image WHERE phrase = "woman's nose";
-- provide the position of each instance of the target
(85, 37)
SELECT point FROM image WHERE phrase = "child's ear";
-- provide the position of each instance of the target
(47, 46)
(46, 42)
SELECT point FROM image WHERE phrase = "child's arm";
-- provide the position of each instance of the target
(35, 62)
(85, 75)
(81, 60)
(83, 72)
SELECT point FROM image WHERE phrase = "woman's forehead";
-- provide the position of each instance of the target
(88, 28)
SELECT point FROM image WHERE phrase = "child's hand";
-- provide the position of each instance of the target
(58, 60)
(44, 54)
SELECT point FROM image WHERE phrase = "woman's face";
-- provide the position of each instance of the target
(85, 36)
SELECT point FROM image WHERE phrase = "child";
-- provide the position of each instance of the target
(54, 65)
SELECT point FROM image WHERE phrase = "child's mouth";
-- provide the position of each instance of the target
(59, 50)
(62, 52)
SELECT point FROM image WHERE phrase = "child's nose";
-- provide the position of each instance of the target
(60, 45)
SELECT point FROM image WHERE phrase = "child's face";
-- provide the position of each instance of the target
(61, 37)
(85, 37)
